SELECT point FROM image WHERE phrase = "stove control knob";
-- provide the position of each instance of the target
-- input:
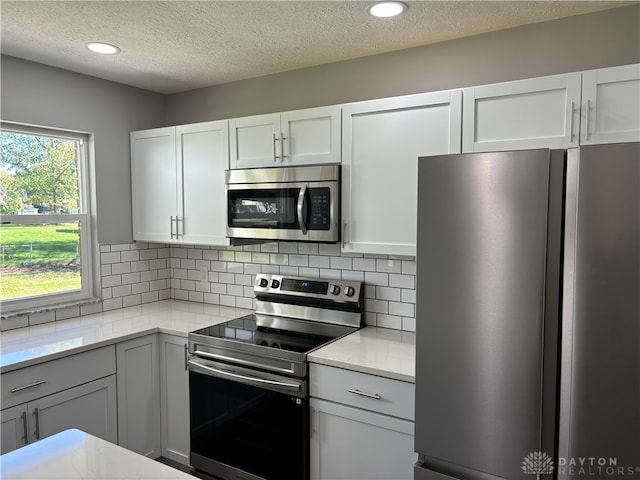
(349, 291)
(334, 289)
(263, 282)
(275, 283)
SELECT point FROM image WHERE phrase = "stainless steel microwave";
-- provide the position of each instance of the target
(284, 203)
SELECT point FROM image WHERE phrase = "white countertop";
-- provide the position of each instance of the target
(379, 351)
(30, 345)
(75, 455)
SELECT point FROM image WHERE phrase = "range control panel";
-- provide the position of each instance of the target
(328, 290)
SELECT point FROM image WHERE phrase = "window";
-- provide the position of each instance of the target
(46, 249)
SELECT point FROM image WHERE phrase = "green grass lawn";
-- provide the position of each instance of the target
(28, 245)
(38, 259)
(32, 284)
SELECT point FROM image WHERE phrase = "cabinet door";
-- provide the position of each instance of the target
(14, 428)
(381, 143)
(90, 407)
(139, 395)
(311, 136)
(610, 105)
(154, 186)
(174, 391)
(354, 444)
(255, 141)
(534, 113)
(203, 156)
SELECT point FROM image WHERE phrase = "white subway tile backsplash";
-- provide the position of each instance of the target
(129, 278)
(110, 257)
(130, 256)
(379, 279)
(210, 255)
(389, 266)
(402, 281)
(117, 268)
(402, 309)
(112, 304)
(308, 248)
(341, 263)
(388, 293)
(365, 264)
(291, 271)
(299, 260)
(137, 273)
(389, 321)
(319, 262)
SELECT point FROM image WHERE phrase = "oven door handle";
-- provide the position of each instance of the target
(246, 378)
(301, 195)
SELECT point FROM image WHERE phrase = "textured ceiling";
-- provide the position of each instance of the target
(173, 46)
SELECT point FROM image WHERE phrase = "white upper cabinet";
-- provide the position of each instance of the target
(534, 113)
(610, 105)
(154, 187)
(177, 178)
(203, 156)
(300, 137)
(381, 143)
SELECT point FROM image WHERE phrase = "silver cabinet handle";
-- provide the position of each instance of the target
(344, 235)
(186, 357)
(282, 139)
(375, 396)
(178, 232)
(303, 192)
(31, 385)
(25, 431)
(172, 234)
(36, 414)
(275, 153)
(588, 120)
(573, 110)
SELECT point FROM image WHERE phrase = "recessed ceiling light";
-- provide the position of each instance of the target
(103, 48)
(387, 9)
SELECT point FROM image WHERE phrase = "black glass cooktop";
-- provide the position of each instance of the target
(249, 330)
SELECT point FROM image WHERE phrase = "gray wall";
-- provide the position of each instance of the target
(40, 95)
(583, 42)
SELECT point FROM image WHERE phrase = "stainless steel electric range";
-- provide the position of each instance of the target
(248, 385)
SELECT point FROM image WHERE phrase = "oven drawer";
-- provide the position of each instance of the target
(362, 390)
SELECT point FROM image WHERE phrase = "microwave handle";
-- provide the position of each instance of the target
(301, 195)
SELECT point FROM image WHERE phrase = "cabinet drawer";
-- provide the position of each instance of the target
(56, 375)
(379, 394)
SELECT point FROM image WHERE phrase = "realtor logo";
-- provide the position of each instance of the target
(537, 463)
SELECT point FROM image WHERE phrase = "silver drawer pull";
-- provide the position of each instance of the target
(31, 385)
(375, 396)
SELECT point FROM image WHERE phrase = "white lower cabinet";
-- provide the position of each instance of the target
(139, 395)
(174, 398)
(361, 426)
(78, 391)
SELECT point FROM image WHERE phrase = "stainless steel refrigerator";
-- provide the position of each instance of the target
(528, 315)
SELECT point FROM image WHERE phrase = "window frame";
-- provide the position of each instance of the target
(89, 251)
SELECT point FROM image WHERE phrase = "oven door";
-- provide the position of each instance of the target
(247, 424)
(305, 211)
